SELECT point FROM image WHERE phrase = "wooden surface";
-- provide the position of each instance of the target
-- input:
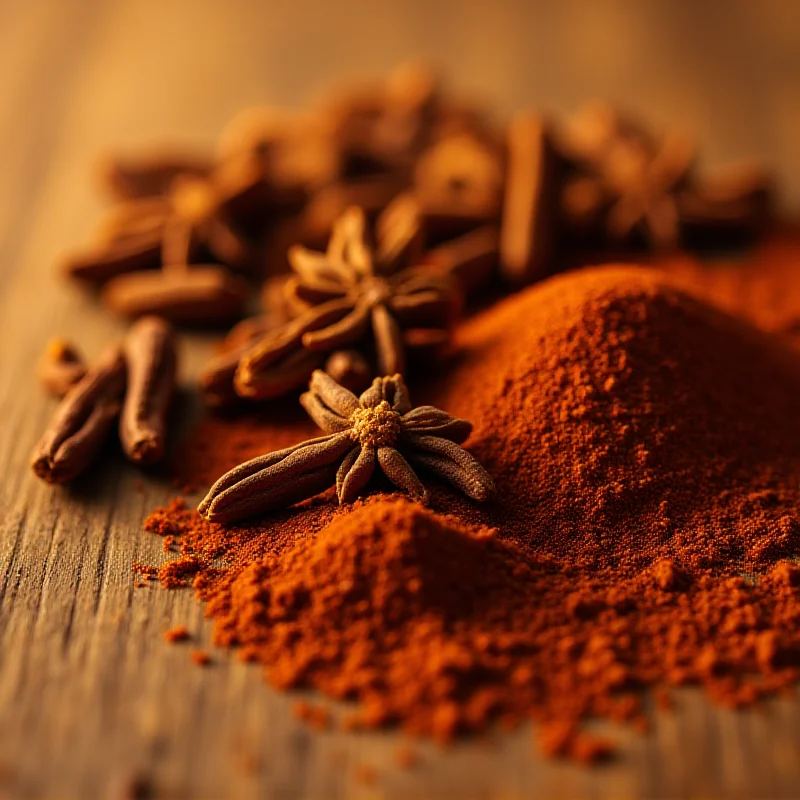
(90, 695)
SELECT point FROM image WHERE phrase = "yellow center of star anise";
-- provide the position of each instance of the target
(193, 200)
(375, 291)
(375, 427)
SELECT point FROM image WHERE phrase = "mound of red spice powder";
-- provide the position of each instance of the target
(625, 421)
(647, 454)
(762, 284)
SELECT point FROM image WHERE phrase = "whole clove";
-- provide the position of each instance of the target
(200, 295)
(82, 421)
(152, 363)
(102, 262)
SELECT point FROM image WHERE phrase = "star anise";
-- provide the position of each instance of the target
(644, 188)
(148, 172)
(168, 230)
(626, 180)
(355, 297)
(382, 126)
(192, 216)
(377, 431)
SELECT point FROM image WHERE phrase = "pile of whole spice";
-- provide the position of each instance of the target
(134, 381)
(623, 514)
(419, 199)
(191, 236)
(646, 454)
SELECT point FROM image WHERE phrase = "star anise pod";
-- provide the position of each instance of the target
(355, 297)
(148, 172)
(168, 230)
(626, 180)
(377, 431)
(381, 127)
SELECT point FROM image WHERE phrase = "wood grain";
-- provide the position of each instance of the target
(90, 694)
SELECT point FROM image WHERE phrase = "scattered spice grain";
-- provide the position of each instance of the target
(145, 570)
(316, 716)
(180, 572)
(200, 658)
(179, 633)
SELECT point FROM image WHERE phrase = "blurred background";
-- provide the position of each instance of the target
(86, 75)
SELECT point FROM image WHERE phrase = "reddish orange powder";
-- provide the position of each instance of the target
(444, 629)
(180, 633)
(624, 421)
(316, 716)
(762, 287)
(200, 658)
(647, 452)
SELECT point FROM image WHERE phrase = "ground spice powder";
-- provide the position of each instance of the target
(647, 454)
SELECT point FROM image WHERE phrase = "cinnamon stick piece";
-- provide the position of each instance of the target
(199, 295)
(81, 422)
(529, 211)
(152, 361)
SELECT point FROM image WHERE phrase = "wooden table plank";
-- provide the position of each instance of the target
(89, 692)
